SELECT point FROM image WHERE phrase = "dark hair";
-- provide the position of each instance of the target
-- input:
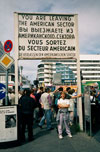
(32, 90)
(60, 89)
(28, 92)
(41, 88)
(70, 91)
(47, 89)
(68, 88)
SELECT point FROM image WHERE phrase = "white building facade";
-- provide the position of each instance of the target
(89, 66)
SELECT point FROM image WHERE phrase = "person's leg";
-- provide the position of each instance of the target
(48, 118)
(42, 121)
(60, 124)
(36, 114)
(41, 112)
(30, 126)
(66, 121)
(23, 126)
(71, 117)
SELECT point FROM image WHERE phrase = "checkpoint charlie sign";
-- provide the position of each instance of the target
(47, 36)
(42, 36)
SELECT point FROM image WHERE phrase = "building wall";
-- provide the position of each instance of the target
(89, 65)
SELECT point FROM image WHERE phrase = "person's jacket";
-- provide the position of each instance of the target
(27, 104)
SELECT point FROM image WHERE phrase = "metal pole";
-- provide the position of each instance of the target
(84, 114)
(79, 103)
(90, 116)
(16, 57)
(21, 68)
(6, 99)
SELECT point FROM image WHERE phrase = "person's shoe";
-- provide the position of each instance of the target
(69, 135)
(40, 126)
(50, 129)
(23, 138)
(60, 137)
(31, 139)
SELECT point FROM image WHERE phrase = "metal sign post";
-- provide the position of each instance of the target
(16, 57)
(79, 100)
(6, 61)
(6, 99)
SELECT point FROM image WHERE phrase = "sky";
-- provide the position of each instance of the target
(88, 23)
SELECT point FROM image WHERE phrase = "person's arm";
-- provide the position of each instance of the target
(97, 94)
(49, 100)
(63, 106)
(74, 97)
(42, 106)
(56, 90)
(40, 101)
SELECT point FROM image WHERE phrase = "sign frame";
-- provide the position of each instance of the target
(64, 38)
(77, 57)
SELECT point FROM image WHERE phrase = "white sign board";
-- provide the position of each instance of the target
(47, 36)
(8, 123)
(42, 36)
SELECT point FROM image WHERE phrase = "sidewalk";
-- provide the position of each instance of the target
(48, 141)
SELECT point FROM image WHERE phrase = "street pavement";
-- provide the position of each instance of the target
(48, 141)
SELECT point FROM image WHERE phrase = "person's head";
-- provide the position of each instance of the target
(28, 92)
(63, 95)
(41, 89)
(92, 88)
(60, 89)
(32, 91)
(24, 92)
(47, 90)
(71, 91)
(68, 88)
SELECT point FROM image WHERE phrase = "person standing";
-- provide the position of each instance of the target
(12, 95)
(57, 95)
(63, 115)
(39, 109)
(27, 106)
(71, 108)
(32, 94)
(46, 103)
